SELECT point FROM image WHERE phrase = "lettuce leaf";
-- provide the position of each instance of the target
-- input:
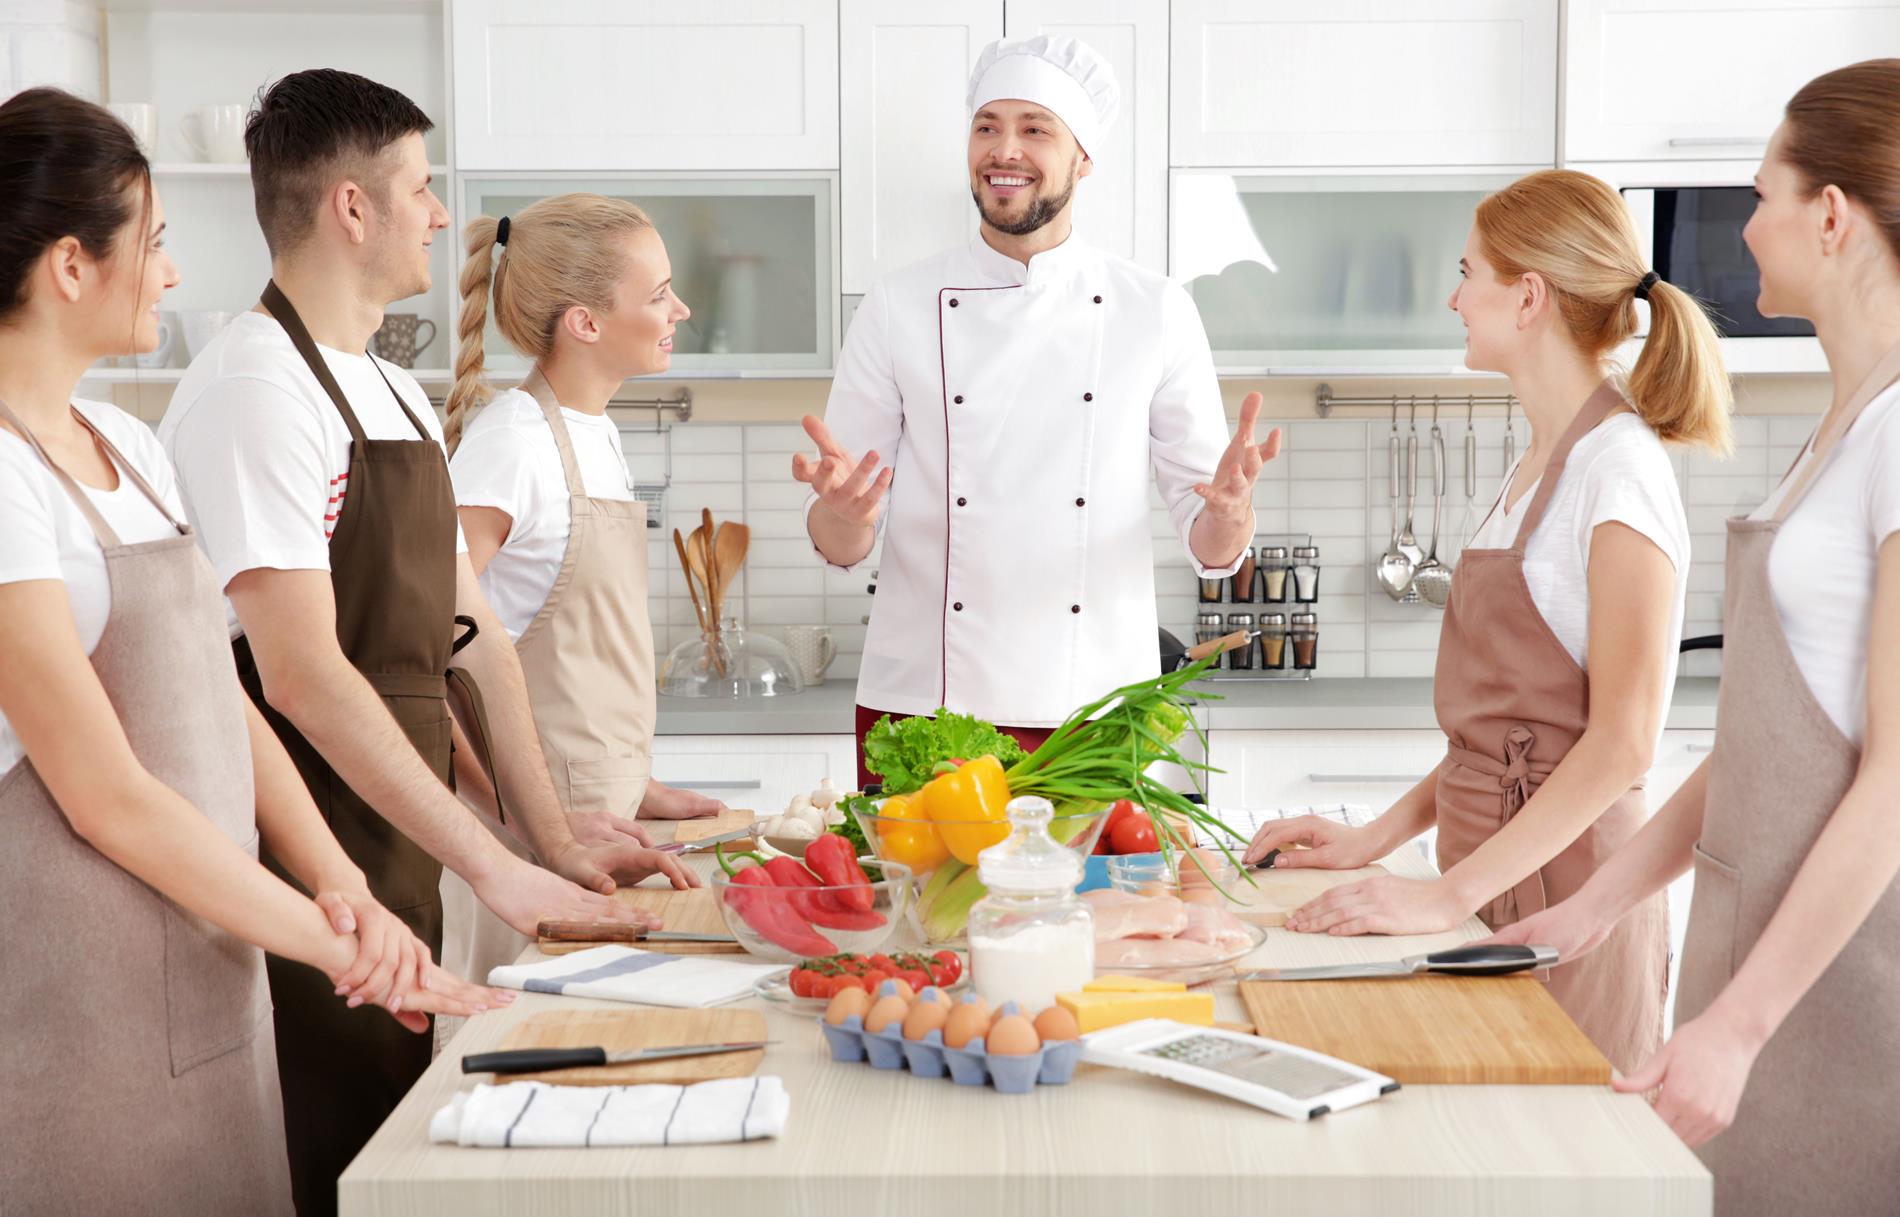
(904, 753)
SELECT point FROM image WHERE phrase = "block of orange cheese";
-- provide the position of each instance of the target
(1094, 1011)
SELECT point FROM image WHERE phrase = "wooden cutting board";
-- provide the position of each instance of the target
(1276, 893)
(712, 826)
(1433, 1030)
(693, 911)
(620, 1030)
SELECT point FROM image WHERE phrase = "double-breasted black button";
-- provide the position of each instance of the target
(1088, 397)
(958, 606)
(1075, 608)
(1098, 299)
(1081, 502)
(962, 502)
(958, 399)
(953, 302)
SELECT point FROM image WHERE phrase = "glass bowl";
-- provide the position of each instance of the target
(1195, 972)
(891, 899)
(1149, 874)
(730, 664)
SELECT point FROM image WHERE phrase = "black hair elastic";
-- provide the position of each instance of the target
(501, 232)
(1642, 289)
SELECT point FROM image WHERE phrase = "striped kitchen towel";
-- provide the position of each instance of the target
(523, 1114)
(650, 978)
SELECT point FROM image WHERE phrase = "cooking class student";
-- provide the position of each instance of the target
(1791, 969)
(136, 781)
(1557, 657)
(995, 415)
(582, 287)
(316, 478)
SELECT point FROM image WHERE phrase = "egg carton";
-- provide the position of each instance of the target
(1053, 1064)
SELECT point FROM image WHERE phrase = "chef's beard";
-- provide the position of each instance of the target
(1041, 210)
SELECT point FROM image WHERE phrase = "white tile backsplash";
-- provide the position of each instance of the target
(1330, 483)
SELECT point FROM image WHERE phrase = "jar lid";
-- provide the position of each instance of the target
(1239, 619)
(1208, 619)
(1306, 619)
(1271, 619)
(1306, 551)
(1029, 859)
(1273, 552)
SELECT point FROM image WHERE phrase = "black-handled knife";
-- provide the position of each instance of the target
(537, 1060)
(1492, 960)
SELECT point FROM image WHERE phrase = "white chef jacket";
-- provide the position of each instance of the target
(1022, 408)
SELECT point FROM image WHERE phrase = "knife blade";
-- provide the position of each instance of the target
(618, 931)
(693, 847)
(1494, 960)
(537, 1060)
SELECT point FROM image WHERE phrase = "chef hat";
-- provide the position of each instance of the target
(1064, 74)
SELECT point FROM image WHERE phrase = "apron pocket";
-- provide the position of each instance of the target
(1708, 948)
(613, 784)
(216, 995)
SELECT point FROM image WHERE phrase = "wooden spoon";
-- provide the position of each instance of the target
(705, 534)
(729, 550)
(686, 563)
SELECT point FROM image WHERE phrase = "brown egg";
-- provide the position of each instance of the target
(1013, 1035)
(924, 1017)
(967, 1021)
(888, 1010)
(1056, 1023)
(1001, 1012)
(933, 994)
(903, 989)
(845, 1003)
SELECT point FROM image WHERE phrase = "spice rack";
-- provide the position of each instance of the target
(1279, 578)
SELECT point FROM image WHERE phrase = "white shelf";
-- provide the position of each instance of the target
(171, 376)
(230, 169)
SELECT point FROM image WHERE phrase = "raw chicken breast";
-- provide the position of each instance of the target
(1216, 927)
(1152, 952)
(1124, 915)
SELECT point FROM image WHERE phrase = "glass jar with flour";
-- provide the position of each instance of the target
(1031, 937)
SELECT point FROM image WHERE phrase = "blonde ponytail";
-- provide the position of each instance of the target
(563, 252)
(471, 390)
(1573, 230)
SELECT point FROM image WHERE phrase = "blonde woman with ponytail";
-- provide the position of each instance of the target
(1558, 652)
(580, 285)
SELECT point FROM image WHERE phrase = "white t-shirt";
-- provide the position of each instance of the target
(1618, 471)
(507, 460)
(263, 455)
(1821, 569)
(45, 536)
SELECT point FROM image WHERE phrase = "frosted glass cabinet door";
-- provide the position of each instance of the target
(1324, 272)
(752, 257)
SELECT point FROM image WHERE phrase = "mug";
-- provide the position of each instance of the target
(142, 118)
(396, 341)
(160, 355)
(216, 133)
(812, 650)
(201, 325)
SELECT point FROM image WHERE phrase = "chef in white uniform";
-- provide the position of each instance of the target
(1009, 397)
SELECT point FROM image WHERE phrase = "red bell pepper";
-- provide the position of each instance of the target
(815, 906)
(772, 912)
(835, 863)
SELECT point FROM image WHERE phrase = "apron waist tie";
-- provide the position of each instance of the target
(1518, 775)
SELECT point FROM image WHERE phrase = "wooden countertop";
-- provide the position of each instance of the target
(870, 1142)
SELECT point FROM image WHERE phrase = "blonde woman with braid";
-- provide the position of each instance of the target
(581, 285)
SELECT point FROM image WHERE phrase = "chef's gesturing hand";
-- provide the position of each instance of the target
(1229, 493)
(1388, 904)
(851, 488)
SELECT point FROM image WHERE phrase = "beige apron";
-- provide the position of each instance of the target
(138, 1073)
(1815, 1130)
(1513, 702)
(588, 659)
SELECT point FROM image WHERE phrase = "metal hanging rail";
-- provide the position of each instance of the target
(683, 404)
(1325, 401)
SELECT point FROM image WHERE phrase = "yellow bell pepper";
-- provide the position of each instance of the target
(968, 806)
(905, 836)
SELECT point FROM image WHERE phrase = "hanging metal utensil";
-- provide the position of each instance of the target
(1408, 539)
(1470, 525)
(1433, 578)
(1395, 568)
(1510, 436)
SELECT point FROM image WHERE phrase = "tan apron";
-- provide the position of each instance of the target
(588, 659)
(1513, 702)
(138, 1073)
(1815, 1130)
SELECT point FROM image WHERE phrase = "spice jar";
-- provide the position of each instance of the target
(1244, 579)
(1031, 936)
(1305, 639)
(1273, 641)
(1275, 573)
(1306, 573)
(1241, 657)
(1208, 627)
(1211, 589)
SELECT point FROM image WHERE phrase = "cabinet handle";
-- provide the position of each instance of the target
(1699, 747)
(1334, 779)
(1719, 141)
(731, 784)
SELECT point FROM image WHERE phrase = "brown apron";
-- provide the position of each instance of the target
(1513, 702)
(1815, 1128)
(588, 659)
(138, 1073)
(392, 567)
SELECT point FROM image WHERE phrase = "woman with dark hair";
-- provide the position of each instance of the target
(1791, 971)
(136, 780)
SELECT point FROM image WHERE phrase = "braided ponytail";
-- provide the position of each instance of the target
(471, 390)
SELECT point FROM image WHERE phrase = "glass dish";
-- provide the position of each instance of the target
(891, 897)
(1199, 972)
(732, 664)
(777, 989)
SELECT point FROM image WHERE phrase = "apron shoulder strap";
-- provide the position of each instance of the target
(537, 387)
(1883, 376)
(1607, 400)
(279, 307)
(108, 537)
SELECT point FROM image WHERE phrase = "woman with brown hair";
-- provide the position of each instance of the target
(137, 782)
(581, 286)
(1791, 971)
(1558, 653)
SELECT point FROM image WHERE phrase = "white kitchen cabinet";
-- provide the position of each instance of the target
(903, 170)
(1122, 206)
(1653, 80)
(1274, 770)
(1363, 82)
(758, 772)
(605, 85)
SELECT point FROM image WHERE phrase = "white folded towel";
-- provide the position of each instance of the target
(537, 1114)
(648, 977)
